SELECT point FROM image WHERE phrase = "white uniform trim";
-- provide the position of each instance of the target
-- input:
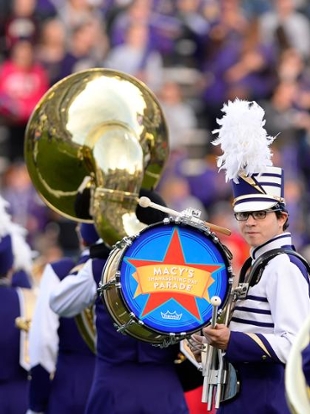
(27, 299)
(43, 336)
(75, 292)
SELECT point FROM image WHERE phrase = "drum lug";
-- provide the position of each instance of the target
(106, 286)
(122, 329)
(113, 283)
(172, 339)
(126, 241)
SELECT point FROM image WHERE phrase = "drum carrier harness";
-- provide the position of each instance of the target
(250, 276)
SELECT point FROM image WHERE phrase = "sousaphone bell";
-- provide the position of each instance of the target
(102, 130)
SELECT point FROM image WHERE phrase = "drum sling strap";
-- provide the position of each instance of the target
(250, 276)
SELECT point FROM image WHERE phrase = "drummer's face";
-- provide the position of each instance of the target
(257, 231)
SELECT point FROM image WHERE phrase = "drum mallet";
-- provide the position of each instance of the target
(215, 302)
(212, 370)
(146, 202)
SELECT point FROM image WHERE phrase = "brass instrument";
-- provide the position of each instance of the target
(103, 129)
(297, 390)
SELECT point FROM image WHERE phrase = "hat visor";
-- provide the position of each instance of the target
(244, 206)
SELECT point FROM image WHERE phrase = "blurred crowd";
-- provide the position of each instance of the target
(194, 55)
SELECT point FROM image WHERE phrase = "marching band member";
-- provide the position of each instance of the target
(24, 256)
(131, 376)
(62, 363)
(16, 306)
(267, 316)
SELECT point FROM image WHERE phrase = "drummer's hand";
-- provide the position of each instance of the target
(197, 344)
(217, 336)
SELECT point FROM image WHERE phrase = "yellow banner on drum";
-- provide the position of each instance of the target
(170, 278)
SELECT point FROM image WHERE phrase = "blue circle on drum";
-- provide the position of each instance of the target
(153, 284)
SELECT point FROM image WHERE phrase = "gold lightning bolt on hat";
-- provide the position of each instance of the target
(257, 184)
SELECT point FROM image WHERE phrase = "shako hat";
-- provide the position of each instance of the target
(89, 233)
(6, 254)
(257, 184)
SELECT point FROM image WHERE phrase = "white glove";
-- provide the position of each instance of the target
(34, 412)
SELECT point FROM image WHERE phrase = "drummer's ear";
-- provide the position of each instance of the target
(150, 215)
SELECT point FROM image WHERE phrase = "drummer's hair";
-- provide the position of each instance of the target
(279, 215)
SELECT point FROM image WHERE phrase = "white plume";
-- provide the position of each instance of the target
(5, 218)
(23, 255)
(243, 139)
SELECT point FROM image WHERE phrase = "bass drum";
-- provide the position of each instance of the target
(158, 284)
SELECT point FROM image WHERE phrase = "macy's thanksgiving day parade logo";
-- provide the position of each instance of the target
(173, 278)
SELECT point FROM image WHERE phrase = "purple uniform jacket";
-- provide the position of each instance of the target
(68, 391)
(13, 378)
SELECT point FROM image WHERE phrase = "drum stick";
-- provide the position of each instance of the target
(146, 202)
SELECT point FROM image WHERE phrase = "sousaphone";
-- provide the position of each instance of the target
(102, 130)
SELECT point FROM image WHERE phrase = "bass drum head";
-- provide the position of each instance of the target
(169, 274)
